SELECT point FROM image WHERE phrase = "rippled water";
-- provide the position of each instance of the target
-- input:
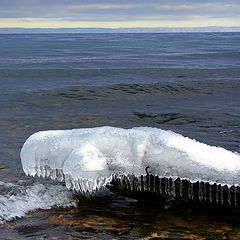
(188, 83)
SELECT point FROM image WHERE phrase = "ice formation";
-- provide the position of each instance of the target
(86, 158)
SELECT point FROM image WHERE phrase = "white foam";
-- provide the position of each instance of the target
(17, 200)
(86, 158)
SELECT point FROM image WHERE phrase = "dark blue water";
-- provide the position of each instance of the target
(188, 83)
(33, 62)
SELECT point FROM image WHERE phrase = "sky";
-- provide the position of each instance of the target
(118, 14)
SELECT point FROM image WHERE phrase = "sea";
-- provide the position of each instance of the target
(188, 83)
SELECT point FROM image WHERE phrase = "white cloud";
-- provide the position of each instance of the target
(102, 6)
(124, 13)
(197, 21)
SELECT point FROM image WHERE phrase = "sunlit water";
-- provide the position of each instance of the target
(188, 83)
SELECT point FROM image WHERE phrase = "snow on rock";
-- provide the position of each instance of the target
(86, 158)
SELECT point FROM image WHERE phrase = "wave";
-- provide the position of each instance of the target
(16, 200)
(165, 89)
(121, 90)
(164, 73)
(172, 118)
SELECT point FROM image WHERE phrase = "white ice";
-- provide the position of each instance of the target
(86, 158)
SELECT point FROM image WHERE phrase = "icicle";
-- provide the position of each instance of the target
(210, 193)
(79, 185)
(173, 193)
(235, 196)
(68, 182)
(181, 189)
(200, 198)
(57, 174)
(221, 191)
(53, 174)
(38, 171)
(131, 180)
(204, 192)
(229, 197)
(47, 171)
(42, 172)
(75, 184)
(160, 186)
(217, 194)
(190, 191)
(167, 186)
(61, 175)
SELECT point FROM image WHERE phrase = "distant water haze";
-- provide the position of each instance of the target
(119, 30)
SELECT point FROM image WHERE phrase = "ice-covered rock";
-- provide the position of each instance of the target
(86, 158)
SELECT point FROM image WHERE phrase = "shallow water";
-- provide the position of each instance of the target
(188, 83)
(122, 218)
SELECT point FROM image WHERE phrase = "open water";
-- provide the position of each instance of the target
(185, 82)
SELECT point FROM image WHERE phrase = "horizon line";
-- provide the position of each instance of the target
(19, 30)
(215, 26)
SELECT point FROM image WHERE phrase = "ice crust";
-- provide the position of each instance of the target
(87, 158)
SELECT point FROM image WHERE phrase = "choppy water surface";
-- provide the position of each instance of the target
(188, 83)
